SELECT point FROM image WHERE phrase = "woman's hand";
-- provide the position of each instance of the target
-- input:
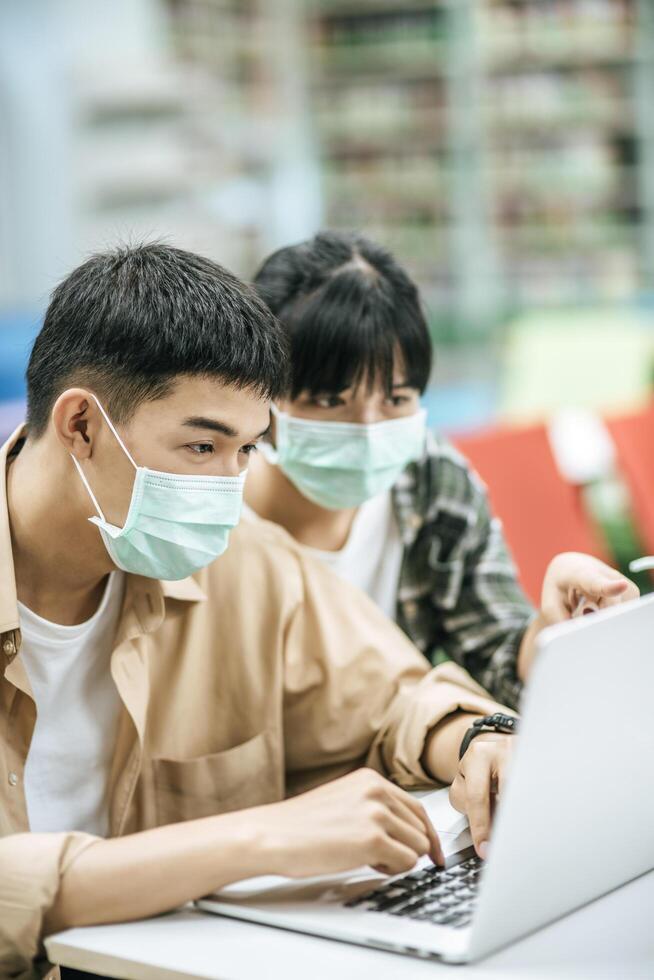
(571, 577)
(479, 782)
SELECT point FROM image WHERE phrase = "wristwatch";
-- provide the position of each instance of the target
(507, 724)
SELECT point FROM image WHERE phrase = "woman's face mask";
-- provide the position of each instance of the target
(342, 464)
(176, 524)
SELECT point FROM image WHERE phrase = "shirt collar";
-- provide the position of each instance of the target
(8, 601)
(410, 500)
(186, 589)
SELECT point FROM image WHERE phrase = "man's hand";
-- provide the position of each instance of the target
(479, 783)
(359, 819)
(569, 578)
(356, 820)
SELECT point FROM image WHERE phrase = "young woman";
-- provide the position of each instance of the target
(354, 475)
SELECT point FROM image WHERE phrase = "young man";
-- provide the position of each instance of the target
(177, 716)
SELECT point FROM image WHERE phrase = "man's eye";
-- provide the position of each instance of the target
(249, 449)
(201, 448)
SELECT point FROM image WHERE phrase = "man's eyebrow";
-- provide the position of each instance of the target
(202, 422)
(402, 384)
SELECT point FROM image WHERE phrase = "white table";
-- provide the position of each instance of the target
(611, 939)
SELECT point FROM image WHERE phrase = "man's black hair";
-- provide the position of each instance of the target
(348, 308)
(129, 321)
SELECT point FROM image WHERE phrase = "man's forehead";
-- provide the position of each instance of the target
(206, 403)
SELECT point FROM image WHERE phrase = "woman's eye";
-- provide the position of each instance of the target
(249, 449)
(327, 401)
(201, 448)
(397, 400)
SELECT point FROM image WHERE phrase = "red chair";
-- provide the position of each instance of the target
(541, 513)
(633, 436)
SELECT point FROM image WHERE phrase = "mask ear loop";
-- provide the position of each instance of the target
(113, 429)
(122, 446)
(88, 488)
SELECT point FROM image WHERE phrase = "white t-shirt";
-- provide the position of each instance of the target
(77, 705)
(371, 558)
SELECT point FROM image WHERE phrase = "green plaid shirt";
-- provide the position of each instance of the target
(458, 593)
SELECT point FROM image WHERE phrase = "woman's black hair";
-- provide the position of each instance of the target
(347, 308)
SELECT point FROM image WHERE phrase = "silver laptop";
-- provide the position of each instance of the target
(576, 820)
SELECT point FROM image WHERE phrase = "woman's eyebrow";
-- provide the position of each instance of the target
(402, 384)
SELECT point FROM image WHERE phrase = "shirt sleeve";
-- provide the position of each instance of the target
(483, 624)
(31, 866)
(357, 692)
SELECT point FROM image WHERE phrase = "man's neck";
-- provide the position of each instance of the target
(274, 497)
(60, 562)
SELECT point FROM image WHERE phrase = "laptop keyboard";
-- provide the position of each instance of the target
(444, 897)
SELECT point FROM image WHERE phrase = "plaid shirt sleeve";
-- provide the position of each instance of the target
(459, 592)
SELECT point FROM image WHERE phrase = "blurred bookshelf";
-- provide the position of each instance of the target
(379, 92)
(563, 149)
(128, 148)
(252, 161)
(503, 148)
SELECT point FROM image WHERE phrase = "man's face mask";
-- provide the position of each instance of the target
(175, 524)
(342, 464)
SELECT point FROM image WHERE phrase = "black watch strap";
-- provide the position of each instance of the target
(507, 724)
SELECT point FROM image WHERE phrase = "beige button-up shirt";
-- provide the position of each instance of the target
(259, 677)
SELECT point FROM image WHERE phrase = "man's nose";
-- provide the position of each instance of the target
(233, 466)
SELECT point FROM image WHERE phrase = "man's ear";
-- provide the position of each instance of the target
(77, 419)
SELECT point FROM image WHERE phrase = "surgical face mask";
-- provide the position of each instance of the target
(342, 464)
(175, 525)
